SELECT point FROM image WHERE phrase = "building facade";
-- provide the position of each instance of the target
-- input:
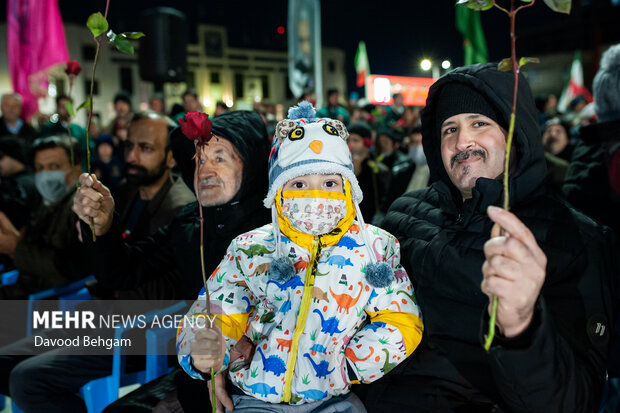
(238, 77)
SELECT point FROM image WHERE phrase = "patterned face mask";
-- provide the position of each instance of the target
(314, 215)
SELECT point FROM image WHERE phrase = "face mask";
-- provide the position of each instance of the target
(417, 154)
(51, 185)
(314, 216)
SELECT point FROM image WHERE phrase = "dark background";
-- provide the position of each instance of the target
(398, 34)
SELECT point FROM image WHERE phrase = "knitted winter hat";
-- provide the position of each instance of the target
(457, 98)
(305, 145)
(606, 86)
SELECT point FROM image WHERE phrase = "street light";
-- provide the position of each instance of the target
(446, 64)
(426, 65)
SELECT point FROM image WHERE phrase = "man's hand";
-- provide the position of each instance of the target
(9, 236)
(93, 201)
(245, 348)
(222, 399)
(208, 349)
(514, 271)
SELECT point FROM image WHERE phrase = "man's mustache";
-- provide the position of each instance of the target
(141, 169)
(462, 156)
(211, 181)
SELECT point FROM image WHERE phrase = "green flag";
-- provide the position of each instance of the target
(468, 23)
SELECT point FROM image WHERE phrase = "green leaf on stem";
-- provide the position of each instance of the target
(525, 60)
(85, 104)
(97, 24)
(69, 107)
(133, 35)
(561, 6)
(479, 5)
(122, 44)
(505, 65)
(526, 1)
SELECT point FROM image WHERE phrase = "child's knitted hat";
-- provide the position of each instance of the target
(305, 145)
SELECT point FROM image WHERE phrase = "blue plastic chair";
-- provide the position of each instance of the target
(9, 277)
(74, 291)
(99, 393)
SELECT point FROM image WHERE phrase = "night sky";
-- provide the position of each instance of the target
(398, 34)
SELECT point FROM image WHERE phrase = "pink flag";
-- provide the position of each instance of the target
(36, 41)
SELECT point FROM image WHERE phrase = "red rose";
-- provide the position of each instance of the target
(197, 127)
(73, 68)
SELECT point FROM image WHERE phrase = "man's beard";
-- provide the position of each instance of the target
(143, 177)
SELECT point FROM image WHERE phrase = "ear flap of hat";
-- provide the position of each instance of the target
(284, 127)
(339, 126)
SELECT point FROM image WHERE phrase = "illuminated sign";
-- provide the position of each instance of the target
(380, 89)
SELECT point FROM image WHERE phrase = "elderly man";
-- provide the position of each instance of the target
(231, 186)
(10, 123)
(554, 270)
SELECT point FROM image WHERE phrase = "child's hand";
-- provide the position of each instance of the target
(208, 349)
(244, 348)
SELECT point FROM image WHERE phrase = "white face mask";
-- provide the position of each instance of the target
(51, 185)
(316, 216)
(417, 154)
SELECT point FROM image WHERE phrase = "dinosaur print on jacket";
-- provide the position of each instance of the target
(320, 369)
(339, 261)
(345, 301)
(349, 243)
(262, 389)
(329, 326)
(273, 364)
(292, 283)
(255, 250)
(352, 331)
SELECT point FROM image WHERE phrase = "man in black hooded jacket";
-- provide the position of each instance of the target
(555, 274)
(232, 205)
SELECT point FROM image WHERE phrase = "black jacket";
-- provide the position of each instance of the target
(558, 363)
(587, 181)
(173, 252)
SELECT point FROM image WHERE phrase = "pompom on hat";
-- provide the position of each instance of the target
(307, 145)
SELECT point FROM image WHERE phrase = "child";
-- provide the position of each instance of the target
(320, 294)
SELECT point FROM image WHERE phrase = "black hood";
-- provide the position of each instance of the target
(246, 131)
(528, 173)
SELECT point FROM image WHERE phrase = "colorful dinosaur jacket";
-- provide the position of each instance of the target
(316, 333)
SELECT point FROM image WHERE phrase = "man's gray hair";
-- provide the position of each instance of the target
(606, 86)
(12, 95)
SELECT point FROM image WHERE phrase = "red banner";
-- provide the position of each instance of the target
(382, 88)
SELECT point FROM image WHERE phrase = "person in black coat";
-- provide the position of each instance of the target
(232, 185)
(592, 182)
(555, 275)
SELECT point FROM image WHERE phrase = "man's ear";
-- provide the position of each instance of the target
(170, 161)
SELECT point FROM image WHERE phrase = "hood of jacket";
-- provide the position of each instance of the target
(245, 130)
(528, 169)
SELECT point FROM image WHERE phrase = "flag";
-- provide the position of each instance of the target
(36, 41)
(362, 68)
(468, 23)
(575, 86)
(304, 48)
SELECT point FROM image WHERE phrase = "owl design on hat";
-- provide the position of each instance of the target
(305, 145)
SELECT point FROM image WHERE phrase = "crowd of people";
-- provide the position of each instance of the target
(352, 251)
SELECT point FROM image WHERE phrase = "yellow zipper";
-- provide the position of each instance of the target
(301, 319)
